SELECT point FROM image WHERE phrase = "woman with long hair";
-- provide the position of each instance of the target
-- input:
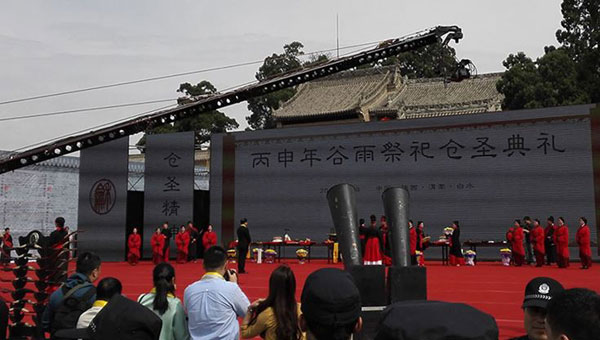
(162, 301)
(276, 317)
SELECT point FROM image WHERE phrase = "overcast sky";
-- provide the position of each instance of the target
(53, 46)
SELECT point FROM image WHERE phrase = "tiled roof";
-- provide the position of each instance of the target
(425, 96)
(382, 92)
(344, 92)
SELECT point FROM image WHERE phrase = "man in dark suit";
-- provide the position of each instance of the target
(243, 243)
(527, 228)
(61, 254)
(168, 234)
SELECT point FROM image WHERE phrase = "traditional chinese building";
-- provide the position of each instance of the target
(382, 93)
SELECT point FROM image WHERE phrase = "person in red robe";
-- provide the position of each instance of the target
(537, 241)
(182, 241)
(7, 244)
(158, 244)
(209, 238)
(373, 251)
(422, 242)
(583, 240)
(562, 243)
(412, 237)
(518, 251)
(509, 238)
(509, 235)
(134, 243)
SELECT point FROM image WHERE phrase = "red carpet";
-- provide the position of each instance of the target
(490, 287)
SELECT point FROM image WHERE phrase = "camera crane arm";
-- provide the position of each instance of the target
(219, 100)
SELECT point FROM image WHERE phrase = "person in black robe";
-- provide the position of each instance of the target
(244, 240)
(193, 247)
(167, 232)
(58, 241)
(527, 228)
(549, 242)
(4, 312)
(362, 234)
(456, 256)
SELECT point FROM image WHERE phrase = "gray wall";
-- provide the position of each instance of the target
(484, 193)
(33, 197)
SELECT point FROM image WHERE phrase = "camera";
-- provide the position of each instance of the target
(228, 273)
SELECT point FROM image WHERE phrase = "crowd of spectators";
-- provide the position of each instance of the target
(329, 309)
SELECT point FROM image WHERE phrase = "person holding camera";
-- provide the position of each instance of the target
(215, 301)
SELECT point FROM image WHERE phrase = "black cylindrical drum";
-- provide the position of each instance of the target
(395, 205)
(342, 203)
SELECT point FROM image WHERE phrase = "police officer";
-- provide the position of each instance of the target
(538, 293)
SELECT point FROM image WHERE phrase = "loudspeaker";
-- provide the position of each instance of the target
(407, 283)
(370, 281)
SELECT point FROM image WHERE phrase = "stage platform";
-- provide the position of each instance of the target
(489, 286)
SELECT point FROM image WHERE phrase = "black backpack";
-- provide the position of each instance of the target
(71, 307)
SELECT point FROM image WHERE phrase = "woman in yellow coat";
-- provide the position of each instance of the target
(276, 317)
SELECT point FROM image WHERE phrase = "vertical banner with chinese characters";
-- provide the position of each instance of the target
(102, 211)
(169, 183)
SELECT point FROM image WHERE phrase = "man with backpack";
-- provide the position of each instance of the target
(74, 297)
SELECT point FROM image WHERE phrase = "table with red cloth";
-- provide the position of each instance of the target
(444, 245)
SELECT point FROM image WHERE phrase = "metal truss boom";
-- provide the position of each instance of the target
(220, 100)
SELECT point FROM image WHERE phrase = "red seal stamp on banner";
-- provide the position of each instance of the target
(103, 196)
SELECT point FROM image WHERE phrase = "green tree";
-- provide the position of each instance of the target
(566, 75)
(262, 107)
(204, 124)
(549, 81)
(518, 82)
(580, 37)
